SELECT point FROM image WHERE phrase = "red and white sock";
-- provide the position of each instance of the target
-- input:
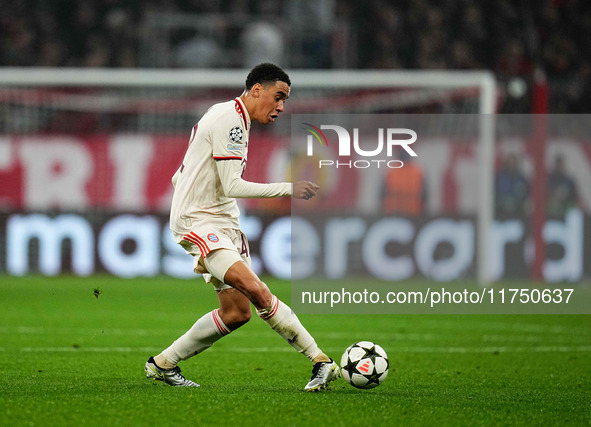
(285, 322)
(207, 330)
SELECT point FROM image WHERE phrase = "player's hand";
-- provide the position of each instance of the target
(304, 190)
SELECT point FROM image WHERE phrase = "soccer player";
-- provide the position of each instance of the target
(204, 219)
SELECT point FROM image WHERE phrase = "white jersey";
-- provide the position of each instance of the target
(210, 177)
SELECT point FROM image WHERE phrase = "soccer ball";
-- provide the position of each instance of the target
(364, 365)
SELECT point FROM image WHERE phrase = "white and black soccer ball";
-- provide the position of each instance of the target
(364, 365)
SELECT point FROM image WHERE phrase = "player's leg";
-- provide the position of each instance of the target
(234, 312)
(277, 314)
(283, 321)
(202, 335)
(234, 308)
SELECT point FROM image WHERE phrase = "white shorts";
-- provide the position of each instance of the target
(214, 251)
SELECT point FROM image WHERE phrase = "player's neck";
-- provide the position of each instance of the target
(249, 104)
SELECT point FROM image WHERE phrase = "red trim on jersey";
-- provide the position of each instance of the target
(227, 158)
(241, 112)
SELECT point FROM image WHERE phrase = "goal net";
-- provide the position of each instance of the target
(86, 158)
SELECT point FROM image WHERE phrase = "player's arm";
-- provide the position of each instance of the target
(229, 148)
(230, 171)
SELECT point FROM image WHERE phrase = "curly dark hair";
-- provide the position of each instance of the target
(266, 73)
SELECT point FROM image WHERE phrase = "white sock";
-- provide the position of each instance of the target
(200, 337)
(285, 322)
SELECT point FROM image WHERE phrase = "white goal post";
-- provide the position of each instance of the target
(483, 81)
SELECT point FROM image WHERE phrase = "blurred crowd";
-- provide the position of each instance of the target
(513, 38)
(513, 190)
(510, 37)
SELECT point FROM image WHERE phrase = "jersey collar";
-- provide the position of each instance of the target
(243, 112)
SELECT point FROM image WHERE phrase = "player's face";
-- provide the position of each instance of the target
(271, 101)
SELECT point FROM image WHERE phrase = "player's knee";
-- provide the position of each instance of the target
(242, 278)
(254, 289)
(236, 317)
(261, 295)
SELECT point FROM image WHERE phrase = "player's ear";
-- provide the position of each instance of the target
(256, 90)
(259, 89)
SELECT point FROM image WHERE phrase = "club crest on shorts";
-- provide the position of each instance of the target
(235, 134)
(213, 238)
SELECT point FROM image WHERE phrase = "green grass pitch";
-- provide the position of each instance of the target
(70, 358)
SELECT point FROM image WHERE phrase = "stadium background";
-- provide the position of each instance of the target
(78, 158)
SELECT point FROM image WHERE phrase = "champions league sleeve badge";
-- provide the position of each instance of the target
(236, 134)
